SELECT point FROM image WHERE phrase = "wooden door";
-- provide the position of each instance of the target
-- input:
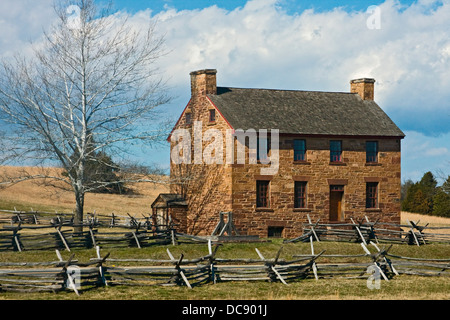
(161, 218)
(335, 205)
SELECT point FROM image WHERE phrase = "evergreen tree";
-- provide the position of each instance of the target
(428, 185)
(408, 201)
(446, 186)
(421, 203)
(441, 204)
(419, 196)
(404, 188)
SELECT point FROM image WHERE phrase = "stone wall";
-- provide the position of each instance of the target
(211, 188)
(319, 173)
(206, 187)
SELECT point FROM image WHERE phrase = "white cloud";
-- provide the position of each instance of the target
(260, 45)
(421, 153)
(22, 21)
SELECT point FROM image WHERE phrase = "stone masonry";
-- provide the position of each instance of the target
(212, 188)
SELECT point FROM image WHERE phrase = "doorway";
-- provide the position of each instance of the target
(336, 197)
(161, 219)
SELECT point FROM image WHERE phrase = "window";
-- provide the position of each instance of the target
(299, 150)
(262, 194)
(300, 194)
(371, 151)
(335, 151)
(262, 156)
(188, 118)
(337, 188)
(275, 232)
(212, 115)
(372, 195)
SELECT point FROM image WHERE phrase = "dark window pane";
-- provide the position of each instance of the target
(262, 193)
(300, 194)
(339, 188)
(275, 232)
(299, 150)
(263, 142)
(188, 118)
(371, 151)
(212, 115)
(335, 151)
(372, 195)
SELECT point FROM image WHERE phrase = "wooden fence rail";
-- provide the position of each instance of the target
(20, 237)
(105, 271)
(365, 231)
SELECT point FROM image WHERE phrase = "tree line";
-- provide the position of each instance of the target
(426, 197)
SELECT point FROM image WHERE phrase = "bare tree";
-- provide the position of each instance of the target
(92, 85)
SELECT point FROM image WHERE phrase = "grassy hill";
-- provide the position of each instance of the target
(33, 194)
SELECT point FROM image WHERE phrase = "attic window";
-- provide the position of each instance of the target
(212, 115)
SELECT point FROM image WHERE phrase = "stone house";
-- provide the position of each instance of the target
(338, 157)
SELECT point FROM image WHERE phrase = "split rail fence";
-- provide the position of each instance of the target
(21, 231)
(365, 231)
(176, 270)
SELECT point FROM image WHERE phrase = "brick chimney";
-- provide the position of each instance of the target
(364, 87)
(203, 82)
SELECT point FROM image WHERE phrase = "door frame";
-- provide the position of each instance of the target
(336, 198)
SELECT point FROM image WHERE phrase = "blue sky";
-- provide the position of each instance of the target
(305, 45)
(291, 6)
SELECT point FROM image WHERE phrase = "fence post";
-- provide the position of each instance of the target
(100, 265)
(271, 265)
(177, 266)
(58, 230)
(314, 267)
(374, 258)
(135, 237)
(359, 232)
(94, 243)
(68, 277)
(384, 252)
(312, 227)
(16, 238)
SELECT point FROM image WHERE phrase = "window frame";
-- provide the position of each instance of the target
(300, 194)
(371, 156)
(188, 118)
(262, 193)
(372, 195)
(335, 154)
(258, 155)
(300, 153)
(212, 115)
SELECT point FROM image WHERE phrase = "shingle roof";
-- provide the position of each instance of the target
(170, 200)
(303, 112)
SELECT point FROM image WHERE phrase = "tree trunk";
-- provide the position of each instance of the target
(78, 218)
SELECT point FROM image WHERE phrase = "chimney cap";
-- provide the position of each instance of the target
(363, 80)
(204, 71)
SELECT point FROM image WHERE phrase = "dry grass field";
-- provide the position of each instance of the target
(33, 194)
(432, 220)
